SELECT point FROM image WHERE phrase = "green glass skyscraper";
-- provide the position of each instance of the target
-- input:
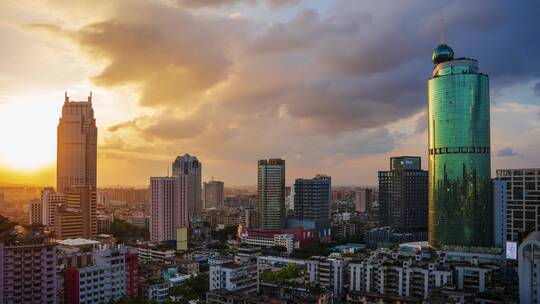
(460, 208)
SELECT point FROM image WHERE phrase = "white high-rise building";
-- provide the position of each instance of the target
(49, 202)
(76, 146)
(168, 206)
(190, 167)
(213, 194)
(529, 269)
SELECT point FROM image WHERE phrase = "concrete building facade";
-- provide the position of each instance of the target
(77, 145)
(168, 206)
(28, 274)
(271, 194)
(523, 201)
(213, 194)
(190, 167)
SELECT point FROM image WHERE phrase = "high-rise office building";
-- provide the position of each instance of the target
(168, 207)
(190, 167)
(313, 204)
(76, 166)
(403, 195)
(313, 198)
(460, 204)
(49, 202)
(213, 194)
(77, 145)
(271, 194)
(523, 201)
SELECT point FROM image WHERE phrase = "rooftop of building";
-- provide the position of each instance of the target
(78, 242)
(232, 265)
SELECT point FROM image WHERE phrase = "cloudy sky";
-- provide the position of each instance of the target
(332, 86)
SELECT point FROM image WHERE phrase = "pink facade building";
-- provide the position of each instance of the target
(28, 274)
(168, 207)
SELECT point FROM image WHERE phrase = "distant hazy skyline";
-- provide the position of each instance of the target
(333, 87)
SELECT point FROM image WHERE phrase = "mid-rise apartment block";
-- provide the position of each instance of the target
(34, 212)
(329, 273)
(233, 277)
(28, 273)
(111, 275)
(414, 272)
(50, 200)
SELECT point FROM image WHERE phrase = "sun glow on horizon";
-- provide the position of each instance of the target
(28, 136)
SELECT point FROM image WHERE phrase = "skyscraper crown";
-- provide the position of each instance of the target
(442, 53)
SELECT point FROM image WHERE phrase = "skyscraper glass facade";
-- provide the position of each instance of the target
(460, 207)
(271, 194)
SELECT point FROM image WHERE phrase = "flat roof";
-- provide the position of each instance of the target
(78, 242)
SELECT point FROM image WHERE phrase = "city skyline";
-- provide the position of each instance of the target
(263, 63)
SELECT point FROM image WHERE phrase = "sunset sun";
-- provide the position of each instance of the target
(27, 140)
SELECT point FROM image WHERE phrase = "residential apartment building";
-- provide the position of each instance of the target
(414, 272)
(34, 212)
(112, 275)
(49, 203)
(233, 277)
(328, 273)
(168, 207)
(28, 273)
(154, 253)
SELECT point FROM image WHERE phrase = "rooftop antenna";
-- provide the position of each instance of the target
(90, 97)
(442, 34)
(66, 98)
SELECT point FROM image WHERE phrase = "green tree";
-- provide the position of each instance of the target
(194, 288)
(311, 248)
(224, 234)
(124, 231)
(283, 275)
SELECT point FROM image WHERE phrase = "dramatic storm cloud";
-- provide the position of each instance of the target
(321, 84)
